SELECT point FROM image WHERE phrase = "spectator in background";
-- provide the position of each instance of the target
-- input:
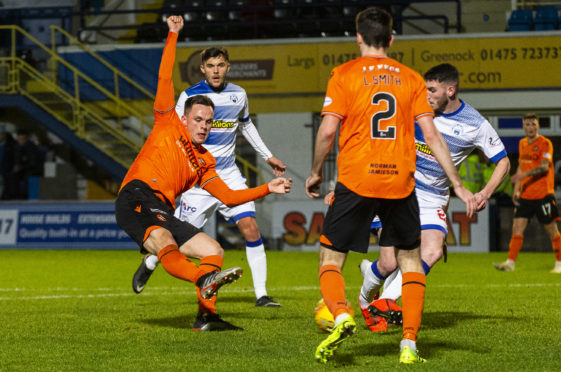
(7, 153)
(28, 162)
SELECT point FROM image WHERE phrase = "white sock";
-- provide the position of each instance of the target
(370, 286)
(340, 318)
(392, 286)
(257, 260)
(151, 262)
(407, 342)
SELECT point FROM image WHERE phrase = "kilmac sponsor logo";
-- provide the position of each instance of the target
(223, 124)
(421, 147)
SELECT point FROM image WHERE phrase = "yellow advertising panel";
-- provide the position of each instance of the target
(293, 77)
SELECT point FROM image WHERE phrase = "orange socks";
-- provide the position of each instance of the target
(332, 286)
(556, 243)
(515, 246)
(413, 301)
(209, 264)
(176, 264)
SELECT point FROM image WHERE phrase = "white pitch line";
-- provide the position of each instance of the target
(168, 291)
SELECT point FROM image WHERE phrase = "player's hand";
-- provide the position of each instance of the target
(515, 197)
(480, 201)
(468, 198)
(329, 197)
(517, 177)
(280, 185)
(278, 167)
(312, 186)
(175, 23)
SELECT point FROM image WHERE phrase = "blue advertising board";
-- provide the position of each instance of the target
(48, 225)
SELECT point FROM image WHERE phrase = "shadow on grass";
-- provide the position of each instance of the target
(384, 343)
(180, 322)
(448, 319)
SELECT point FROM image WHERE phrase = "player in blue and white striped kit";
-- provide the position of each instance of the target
(464, 129)
(231, 113)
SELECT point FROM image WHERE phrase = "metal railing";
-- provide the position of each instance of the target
(89, 120)
(84, 118)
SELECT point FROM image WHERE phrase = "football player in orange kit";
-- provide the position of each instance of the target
(374, 101)
(171, 161)
(533, 193)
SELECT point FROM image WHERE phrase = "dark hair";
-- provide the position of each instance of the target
(444, 72)
(531, 115)
(197, 100)
(213, 52)
(375, 27)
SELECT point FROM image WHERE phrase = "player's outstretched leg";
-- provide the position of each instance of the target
(374, 323)
(210, 283)
(326, 349)
(143, 273)
(388, 309)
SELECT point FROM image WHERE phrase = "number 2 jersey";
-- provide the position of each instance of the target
(463, 130)
(378, 100)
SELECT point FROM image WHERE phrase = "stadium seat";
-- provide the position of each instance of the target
(521, 20)
(283, 9)
(216, 10)
(149, 33)
(331, 10)
(546, 18)
(193, 10)
(306, 9)
(170, 7)
(351, 8)
(235, 8)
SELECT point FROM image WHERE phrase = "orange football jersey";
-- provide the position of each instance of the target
(530, 157)
(168, 161)
(378, 100)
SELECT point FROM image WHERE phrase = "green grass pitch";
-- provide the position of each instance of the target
(76, 311)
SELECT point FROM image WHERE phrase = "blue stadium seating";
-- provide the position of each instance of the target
(521, 20)
(546, 18)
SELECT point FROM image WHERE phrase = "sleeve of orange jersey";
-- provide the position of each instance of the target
(548, 152)
(335, 102)
(165, 95)
(217, 188)
(421, 105)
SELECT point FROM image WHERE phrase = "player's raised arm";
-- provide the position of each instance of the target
(440, 150)
(217, 188)
(165, 95)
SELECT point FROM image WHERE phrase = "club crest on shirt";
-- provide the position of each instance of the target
(202, 161)
(233, 98)
(457, 130)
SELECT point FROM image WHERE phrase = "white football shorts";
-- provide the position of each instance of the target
(197, 205)
(431, 211)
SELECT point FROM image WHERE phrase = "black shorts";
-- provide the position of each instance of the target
(545, 209)
(348, 219)
(138, 210)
